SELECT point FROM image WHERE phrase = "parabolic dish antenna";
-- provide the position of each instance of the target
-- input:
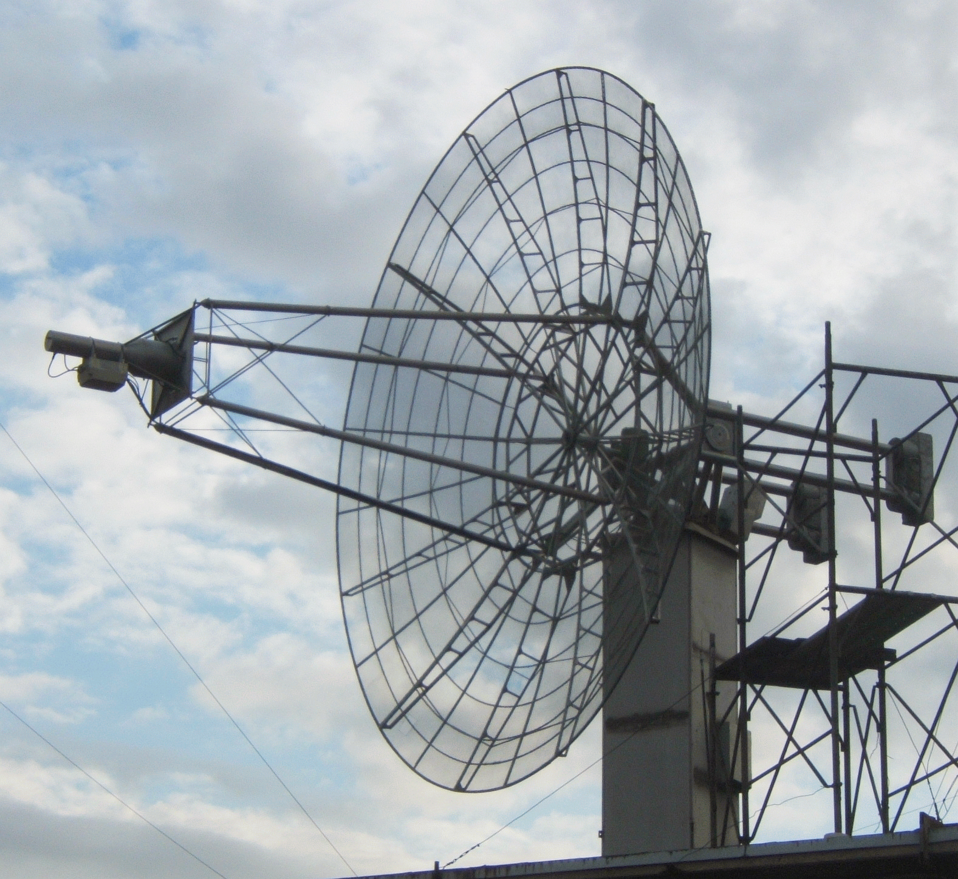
(517, 465)
(551, 286)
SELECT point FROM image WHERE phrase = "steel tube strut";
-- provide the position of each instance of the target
(585, 319)
(358, 357)
(839, 746)
(428, 457)
(359, 497)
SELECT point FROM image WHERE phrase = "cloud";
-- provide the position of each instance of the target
(156, 153)
(35, 214)
(36, 690)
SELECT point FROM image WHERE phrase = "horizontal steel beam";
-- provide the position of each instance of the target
(895, 373)
(800, 430)
(776, 471)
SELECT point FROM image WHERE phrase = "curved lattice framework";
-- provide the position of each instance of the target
(528, 394)
(565, 201)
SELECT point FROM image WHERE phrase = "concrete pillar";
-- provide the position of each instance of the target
(658, 790)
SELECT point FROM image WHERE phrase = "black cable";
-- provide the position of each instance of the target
(179, 653)
(103, 787)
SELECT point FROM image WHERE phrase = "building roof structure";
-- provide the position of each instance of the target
(931, 850)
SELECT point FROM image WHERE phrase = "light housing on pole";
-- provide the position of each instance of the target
(910, 473)
(809, 530)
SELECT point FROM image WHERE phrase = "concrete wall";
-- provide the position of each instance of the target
(657, 794)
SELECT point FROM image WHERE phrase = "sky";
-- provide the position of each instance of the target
(156, 153)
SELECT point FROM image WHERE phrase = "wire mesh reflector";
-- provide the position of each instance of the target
(557, 419)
